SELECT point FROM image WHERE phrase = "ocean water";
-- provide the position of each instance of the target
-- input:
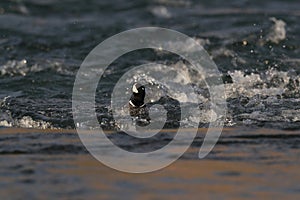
(255, 45)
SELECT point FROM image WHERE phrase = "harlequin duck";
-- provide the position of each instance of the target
(137, 107)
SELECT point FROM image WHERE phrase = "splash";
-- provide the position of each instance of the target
(161, 11)
(277, 32)
(269, 83)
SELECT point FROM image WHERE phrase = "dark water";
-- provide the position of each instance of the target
(255, 44)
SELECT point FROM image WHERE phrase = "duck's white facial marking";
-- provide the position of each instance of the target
(134, 89)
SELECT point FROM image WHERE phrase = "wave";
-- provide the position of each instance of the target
(270, 98)
(23, 67)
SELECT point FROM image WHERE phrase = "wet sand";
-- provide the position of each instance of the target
(245, 164)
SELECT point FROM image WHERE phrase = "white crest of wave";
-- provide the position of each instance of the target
(270, 83)
(161, 11)
(26, 122)
(277, 32)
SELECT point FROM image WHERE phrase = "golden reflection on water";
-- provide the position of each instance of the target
(244, 170)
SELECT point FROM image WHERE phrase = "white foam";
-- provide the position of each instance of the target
(26, 122)
(23, 68)
(271, 82)
(277, 32)
(161, 11)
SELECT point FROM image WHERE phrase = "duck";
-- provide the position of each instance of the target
(137, 107)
